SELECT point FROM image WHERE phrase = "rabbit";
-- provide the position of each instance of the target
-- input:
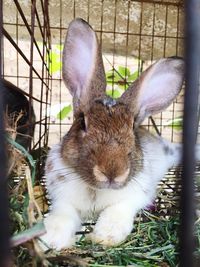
(15, 102)
(107, 165)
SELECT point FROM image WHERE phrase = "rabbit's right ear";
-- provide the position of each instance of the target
(83, 70)
(155, 89)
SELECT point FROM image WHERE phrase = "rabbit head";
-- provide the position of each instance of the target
(103, 145)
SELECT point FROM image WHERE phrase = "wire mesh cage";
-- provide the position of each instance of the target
(26, 50)
(133, 35)
(26, 65)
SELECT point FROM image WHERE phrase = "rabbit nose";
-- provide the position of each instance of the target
(110, 176)
(123, 177)
(99, 175)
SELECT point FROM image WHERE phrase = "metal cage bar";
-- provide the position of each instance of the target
(192, 48)
(4, 217)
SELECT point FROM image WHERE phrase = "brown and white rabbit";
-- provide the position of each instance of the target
(107, 163)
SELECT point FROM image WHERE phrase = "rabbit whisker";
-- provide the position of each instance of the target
(61, 169)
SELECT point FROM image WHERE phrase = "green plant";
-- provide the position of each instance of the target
(54, 59)
(122, 78)
(64, 112)
(176, 124)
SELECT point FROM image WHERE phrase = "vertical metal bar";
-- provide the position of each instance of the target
(43, 34)
(153, 33)
(127, 36)
(177, 41)
(114, 44)
(4, 217)
(140, 38)
(17, 42)
(192, 48)
(88, 11)
(48, 74)
(60, 80)
(33, 7)
(101, 28)
(74, 9)
(151, 120)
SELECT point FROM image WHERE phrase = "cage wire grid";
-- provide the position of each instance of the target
(34, 31)
(143, 38)
(22, 47)
(110, 34)
(134, 43)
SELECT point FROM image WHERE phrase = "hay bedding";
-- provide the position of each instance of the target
(153, 241)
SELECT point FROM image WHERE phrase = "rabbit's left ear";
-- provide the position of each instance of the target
(83, 70)
(155, 89)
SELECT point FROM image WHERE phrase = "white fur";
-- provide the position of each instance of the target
(73, 200)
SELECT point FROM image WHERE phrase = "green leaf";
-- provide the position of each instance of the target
(109, 74)
(25, 153)
(110, 77)
(123, 86)
(64, 112)
(124, 71)
(176, 124)
(113, 93)
(133, 76)
(53, 59)
(55, 62)
(113, 77)
(59, 47)
(117, 77)
(22, 237)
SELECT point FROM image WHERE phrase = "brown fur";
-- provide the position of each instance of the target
(61, 178)
(109, 142)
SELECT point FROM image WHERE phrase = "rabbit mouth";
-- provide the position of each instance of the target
(110, 185)
(108, 181)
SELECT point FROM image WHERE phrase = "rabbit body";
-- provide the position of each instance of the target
(107, 164)
(74, 201)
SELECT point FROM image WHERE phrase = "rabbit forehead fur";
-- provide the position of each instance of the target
(108, 153)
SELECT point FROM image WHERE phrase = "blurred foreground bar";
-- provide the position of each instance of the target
(4, 217)
(192, 58)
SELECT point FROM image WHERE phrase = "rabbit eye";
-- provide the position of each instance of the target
(82, 122)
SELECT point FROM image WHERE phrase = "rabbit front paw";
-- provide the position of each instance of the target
(60, 232)
(111, 231)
